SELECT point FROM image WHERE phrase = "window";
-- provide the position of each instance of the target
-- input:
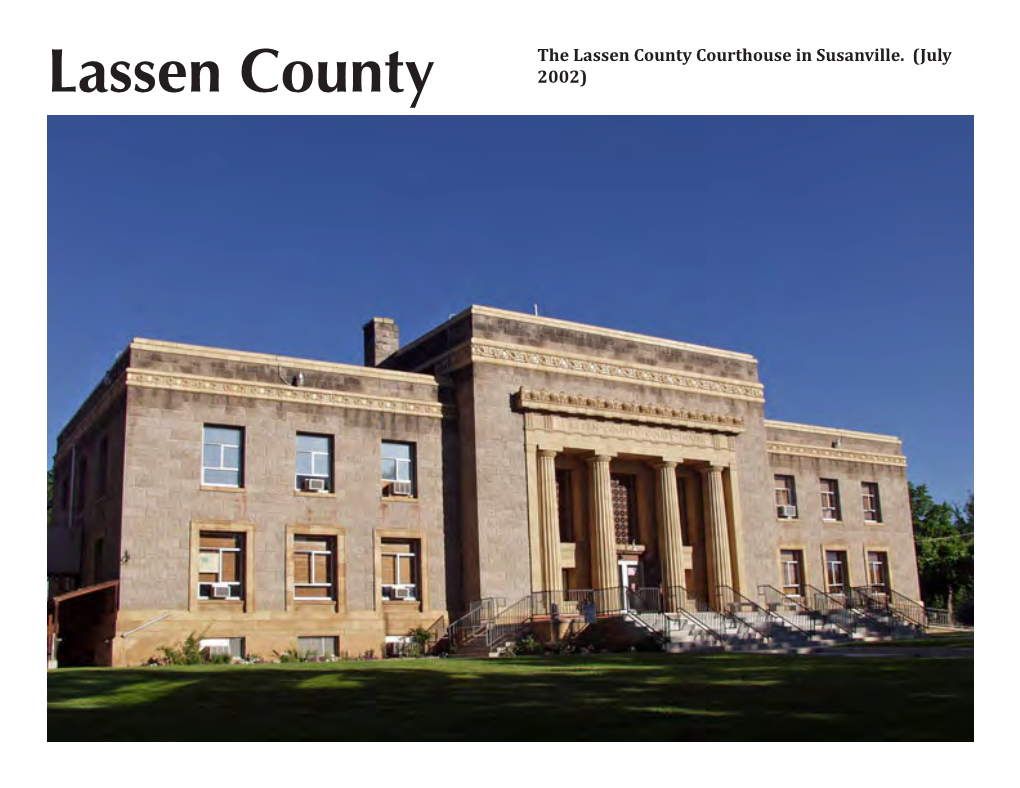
(398, 468)
(314, 466)
(624, 510)
(830, 499)
(314, 567)
(792, 562)
(878, 572)
(400, 569)
(222, 456)
(564, 504)
(221, 566)
(225, 647)
(318, 646)
(870, 502)
(835, 571)
(786, 498)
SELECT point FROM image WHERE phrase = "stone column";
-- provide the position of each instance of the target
(605, 569)
(549, 517)
(716, 531)
(671, 539)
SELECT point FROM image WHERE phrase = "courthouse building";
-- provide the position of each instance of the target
(267, 503)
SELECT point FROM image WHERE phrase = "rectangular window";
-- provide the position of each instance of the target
(400, 569)
(878, 572)
(565, 505)
(222, 456)
(792, 562)
(398, 469)
(318, 646)
(221, 566)
(314, 561)
(624, 511)
(835, 572)
(830, 499)
(314, 465)
(786, 498)
(225, 647)
(869, 501)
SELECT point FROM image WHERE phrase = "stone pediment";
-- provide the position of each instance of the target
(615, 410)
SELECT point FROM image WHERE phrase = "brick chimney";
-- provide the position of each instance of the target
(382, 340)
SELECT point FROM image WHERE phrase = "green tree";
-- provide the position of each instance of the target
(944, 537)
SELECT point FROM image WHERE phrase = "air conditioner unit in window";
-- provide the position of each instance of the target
(401, 593)
(314, 485)
(400, 488)
(220, 591)
(787, 511)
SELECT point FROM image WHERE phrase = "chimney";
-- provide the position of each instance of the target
(382, 339)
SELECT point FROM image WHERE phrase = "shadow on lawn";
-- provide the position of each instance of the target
(627, 698)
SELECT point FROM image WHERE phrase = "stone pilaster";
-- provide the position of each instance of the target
(549, 515)
(605, 570)
(720, 572)
(671, 540)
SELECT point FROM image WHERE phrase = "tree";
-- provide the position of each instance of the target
(944, 538)
(49, 497)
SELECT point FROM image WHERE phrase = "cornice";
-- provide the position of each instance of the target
(572, 425)
(799, 450)
(832, 432)
(174, 381)
(523, 317)
(644, 413)
(89, 418)
(481, 351)
(243, 356)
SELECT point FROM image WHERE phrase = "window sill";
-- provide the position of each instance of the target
(787, 520)
(400, 499)
(409, 603)
(873, 522)
(304, 494)
(214, 488)
(314, 602)
(832, 522)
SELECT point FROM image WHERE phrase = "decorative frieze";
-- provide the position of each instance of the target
(819, 452)
(631, 432)
(645, 413)
(200, 384)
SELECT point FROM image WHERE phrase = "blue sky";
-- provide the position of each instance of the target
(839, 251)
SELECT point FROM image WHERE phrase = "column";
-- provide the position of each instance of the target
(605, 569)
(716, 531)
(549, 518)
(671, 540)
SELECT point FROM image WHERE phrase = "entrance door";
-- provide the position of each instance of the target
(629, 580)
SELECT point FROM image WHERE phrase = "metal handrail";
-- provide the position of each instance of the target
(893, 603)
(475, 621)
(683, 602)
(762, 621)
(776, 600)
(833, 609)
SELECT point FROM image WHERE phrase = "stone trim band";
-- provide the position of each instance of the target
(280, 393)
(799, 450)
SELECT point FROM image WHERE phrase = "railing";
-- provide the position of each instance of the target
(941, 618)
(784, 606)
(474, 622)
(762, 621)
(892, 603)
(834, 609)
(694, 609)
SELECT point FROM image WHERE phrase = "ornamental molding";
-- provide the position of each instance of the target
(200, 384)
(574, 425)
(644, 413)
(491, 352)
(114, 389)
(799, 450)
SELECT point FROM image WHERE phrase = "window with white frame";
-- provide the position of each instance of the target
(314, 567)
(878, 572)
(400, 569)
(314, 463)
(830, 499)
(792, 563)
(398, 468)
(222, 456)
(870, 503)
(786, 497)
(221, 566)
(318, 646)
(835, 571)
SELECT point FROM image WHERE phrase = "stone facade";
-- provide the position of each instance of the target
(531, 439)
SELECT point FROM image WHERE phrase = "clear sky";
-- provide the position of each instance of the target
(839, 251)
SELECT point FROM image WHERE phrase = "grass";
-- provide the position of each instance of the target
(634, 697)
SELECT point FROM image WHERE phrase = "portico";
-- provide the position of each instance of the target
(640, 500)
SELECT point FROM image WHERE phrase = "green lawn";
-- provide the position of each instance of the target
(635, 697)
